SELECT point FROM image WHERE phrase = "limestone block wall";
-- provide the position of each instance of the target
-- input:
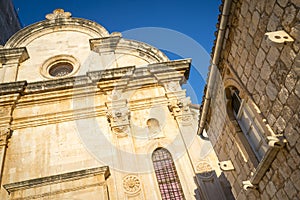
(66, 130)
(268, 75)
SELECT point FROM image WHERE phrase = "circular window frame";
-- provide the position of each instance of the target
(56, 60)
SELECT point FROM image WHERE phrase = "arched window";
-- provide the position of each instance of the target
(249, 124)
(166, 174)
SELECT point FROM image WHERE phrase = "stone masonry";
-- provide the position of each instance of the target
(267, 75)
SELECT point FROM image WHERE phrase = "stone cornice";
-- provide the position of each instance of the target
(12, 88)
(29, 33)
(13, 55)
(117, 44)
(108, 79)
(48, 180)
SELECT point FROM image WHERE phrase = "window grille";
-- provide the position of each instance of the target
(166, 174)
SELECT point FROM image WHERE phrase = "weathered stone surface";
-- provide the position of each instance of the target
(271, 189)
(291, 135)
(289, 189)
(295, 179)
(273, 55)
(283, 95)
(271, 91)
(287, 56)
(274, 23)
(281, 194)
(290, 81)
(278, 11)
(295, 32)
(289, 15)
(266, 71)
(260, 57)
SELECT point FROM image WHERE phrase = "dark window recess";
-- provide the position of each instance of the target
(61, 69)
(236, 102)
(166, 174)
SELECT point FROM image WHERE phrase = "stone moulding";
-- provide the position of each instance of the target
(48, 180)
(13, 55)
(29, 33)
(13, 87)
(117, 44)
(275, 144)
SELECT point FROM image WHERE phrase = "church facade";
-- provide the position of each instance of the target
(252, 101)
(87, 114)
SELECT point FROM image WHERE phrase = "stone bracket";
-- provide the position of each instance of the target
(276, 141)
(278, 37)
(226, 165)
(248, 185)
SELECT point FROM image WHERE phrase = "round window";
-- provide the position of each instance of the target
(60, 69)
(60, 66)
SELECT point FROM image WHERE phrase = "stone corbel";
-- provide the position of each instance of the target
(278, 37)
(226, 165)
(248, 185)
(276, 141)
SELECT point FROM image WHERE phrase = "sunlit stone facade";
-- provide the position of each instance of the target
(83, 110)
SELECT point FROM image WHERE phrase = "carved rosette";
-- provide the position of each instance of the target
(119, 121)
(131, 184)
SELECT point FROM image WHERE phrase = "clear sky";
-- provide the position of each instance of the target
(181, 29)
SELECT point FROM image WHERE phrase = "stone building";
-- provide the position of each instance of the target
(9, 21)
(87, 114)
(252, 98)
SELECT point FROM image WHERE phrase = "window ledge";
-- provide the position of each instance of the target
(275, 143)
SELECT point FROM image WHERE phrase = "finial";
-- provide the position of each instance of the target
(58, 14)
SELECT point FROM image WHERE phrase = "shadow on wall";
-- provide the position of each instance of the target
(213, 187)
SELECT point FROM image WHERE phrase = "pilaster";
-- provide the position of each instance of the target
(10, 60)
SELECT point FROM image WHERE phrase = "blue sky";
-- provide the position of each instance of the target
(181, 29)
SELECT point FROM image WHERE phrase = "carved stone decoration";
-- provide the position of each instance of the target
(173, 86)
(181, 111)
(131, 184)
(279, 37)
(185, 120)
(248, 185)
(276, 141)
(115, 95)
(119, 121)
(204, 169)
(5, 134)
(58, 14)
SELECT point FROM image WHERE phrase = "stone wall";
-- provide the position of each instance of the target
(267, 74)
(9, 21)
